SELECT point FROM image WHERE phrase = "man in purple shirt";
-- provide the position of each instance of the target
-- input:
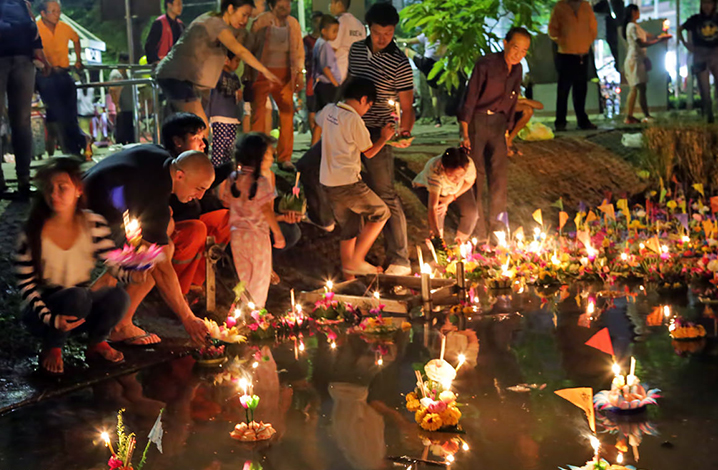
(485, 117)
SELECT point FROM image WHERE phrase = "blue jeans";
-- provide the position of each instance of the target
(380, 179)
(59, 93)
(17, 81)
(101, 309)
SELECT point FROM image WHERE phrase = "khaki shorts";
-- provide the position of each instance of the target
(352, 203)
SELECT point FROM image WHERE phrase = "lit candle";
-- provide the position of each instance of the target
(443, 347)
(333, 345)
(426, 287)
(397, 109)
(244, 385)
(619, 458)
(419, 255)
(666, 311)
(462, 359)
(106, 437)
(291, 294)
(377, 295)
(133, 231)
(330, 286)
(596, 444)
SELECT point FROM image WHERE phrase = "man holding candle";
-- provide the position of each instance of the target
(380, 60)
(486, 115)
(141, 180)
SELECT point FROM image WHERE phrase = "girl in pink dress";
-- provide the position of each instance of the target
(250, 196)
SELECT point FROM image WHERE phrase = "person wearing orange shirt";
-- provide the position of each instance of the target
(573, 28)
(58, 89)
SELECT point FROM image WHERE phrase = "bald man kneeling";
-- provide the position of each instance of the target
(141, 180)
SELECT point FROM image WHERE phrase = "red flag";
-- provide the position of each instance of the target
(714, 204)
(601, 341)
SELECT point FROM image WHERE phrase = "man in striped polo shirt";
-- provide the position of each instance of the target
(379, 59)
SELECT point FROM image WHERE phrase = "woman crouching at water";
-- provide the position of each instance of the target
(57, 251)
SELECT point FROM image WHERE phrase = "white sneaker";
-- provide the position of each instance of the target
(397, 270)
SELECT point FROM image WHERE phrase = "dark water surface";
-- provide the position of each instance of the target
(337, 409)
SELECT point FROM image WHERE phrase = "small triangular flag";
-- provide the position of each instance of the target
(714, 204)
(558, 204)
(608, 210)
(654, 245)
(562, 219)
(683, 219)
(504, 218)
(519, 233)
(699, 187)
(591, 217)
(577, 220)
(538, 217)
(582, 397)
(584, 236)
(601, 341)
(708, 228)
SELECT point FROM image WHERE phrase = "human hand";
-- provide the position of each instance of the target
(299, 82)
(196, 329)
(465, 142)
(272, 78)
(139, 277)
(78, 65)
(404, 140)
(387, 132)
(67, 323)
(279, 241)
(292, 217)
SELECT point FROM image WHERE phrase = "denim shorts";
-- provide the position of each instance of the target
(351, 204)
(179, 90)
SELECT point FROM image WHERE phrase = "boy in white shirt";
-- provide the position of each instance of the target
(351, 30)
(344, 139)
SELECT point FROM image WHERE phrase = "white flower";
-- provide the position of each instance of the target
(440, 371)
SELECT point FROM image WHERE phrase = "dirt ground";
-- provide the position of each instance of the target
(576, 167)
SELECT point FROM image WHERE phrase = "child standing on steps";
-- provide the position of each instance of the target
(222, 111)
(325, 68)
(358, 210)
(250, 195)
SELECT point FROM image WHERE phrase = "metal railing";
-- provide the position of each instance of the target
(133, 82)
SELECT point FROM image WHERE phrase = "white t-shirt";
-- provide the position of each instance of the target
(351, 30)
(344, 137)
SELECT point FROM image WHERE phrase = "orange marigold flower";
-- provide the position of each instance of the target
(413, 406)
(419, 415)
(431, 422)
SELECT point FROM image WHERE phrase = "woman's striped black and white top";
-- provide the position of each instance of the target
(31, 283)
(389, 70)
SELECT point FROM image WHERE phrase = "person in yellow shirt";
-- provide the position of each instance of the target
(573, 28)
(58, 89)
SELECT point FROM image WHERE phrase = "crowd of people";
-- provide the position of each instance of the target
(360, 91)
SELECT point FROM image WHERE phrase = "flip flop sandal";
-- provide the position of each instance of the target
(93, 354)
(132, 341)
(365, 270)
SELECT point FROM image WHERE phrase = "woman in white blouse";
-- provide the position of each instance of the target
(637, 64)
(57, 251)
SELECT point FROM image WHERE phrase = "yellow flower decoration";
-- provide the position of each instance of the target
(450, 416)
(419, 415)
(413, 406)
(431, 422)
(411, 397)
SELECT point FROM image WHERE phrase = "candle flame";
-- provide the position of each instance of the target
(616, 369)
(666, 311)
(462, 358)
(624, 256)
(449, 458)
(333, 345)
(642, 246)
(686, 239)
(595, 443)
(244, 384)
(391, 102)
(377, 295)
(301, 345)
(591, 307)
(501, 237)
(105, 437)
(474, 241)
(664, 248)
(237, 312)
(330, 284)
(380, 362)
(255, 364)
(251, 305)
(298, 307)
(619, 458)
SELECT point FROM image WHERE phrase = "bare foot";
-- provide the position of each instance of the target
(133, 335)
(51, 361)
(106, 352)
(362, 268)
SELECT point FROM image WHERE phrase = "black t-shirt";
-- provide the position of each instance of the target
(703, 29)
(138, 180)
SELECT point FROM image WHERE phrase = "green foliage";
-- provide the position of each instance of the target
(467, 28)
